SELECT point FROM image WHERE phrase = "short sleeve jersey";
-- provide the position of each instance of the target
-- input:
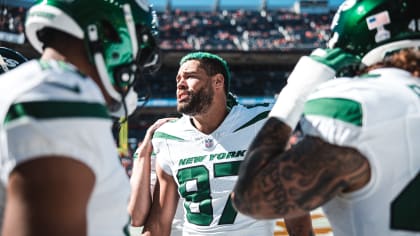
(52, 109)
(379, 115)
(205, 168)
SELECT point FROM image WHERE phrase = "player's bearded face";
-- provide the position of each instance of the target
(198, 101)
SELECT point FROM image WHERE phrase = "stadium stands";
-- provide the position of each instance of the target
(242, 30)
(11, 24)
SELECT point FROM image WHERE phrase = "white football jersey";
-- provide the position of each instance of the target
(205, 167)
(379, 115)
(49, 108)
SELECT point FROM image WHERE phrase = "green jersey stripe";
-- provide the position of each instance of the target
(56, 109)
(342, 109)
(254, 120)
(226, 169)
(166, 136)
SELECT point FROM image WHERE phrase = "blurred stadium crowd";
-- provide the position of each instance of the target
(240, 29)
(12, 19)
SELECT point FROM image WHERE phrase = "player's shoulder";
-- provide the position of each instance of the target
(251, 110)
(61, 92)
(365, 99)
(256, 111)
(173, 130)
(25, 70)
(37, 67)
(60, 81)
(378, 82)
(247, 116)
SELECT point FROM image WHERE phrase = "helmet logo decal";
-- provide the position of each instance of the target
(378, 21)
(143, 4)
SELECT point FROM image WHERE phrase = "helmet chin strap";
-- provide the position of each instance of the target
(378, 54)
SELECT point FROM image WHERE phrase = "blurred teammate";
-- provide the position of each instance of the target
(9, 59)
(359, 158)
(59, 161)
(198, 156)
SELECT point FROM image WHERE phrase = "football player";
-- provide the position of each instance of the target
(58, 159)
(359, 158)
(198, 157)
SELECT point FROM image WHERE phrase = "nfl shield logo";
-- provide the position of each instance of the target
(208, 143)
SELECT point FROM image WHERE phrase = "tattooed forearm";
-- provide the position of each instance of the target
(278, 183)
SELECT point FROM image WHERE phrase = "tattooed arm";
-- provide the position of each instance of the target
(300, 226)
(275, 183)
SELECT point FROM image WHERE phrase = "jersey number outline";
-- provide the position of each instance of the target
(200, 198)
(405, 208)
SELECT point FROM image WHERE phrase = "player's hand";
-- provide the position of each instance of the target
(158, 123)
(145, 147)
(341, 62)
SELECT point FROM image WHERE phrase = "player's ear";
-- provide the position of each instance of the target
(219, 80)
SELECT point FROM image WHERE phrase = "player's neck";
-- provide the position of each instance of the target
(52, 54)
(209, 121)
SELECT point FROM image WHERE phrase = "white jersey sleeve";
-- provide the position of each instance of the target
(379, 115)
